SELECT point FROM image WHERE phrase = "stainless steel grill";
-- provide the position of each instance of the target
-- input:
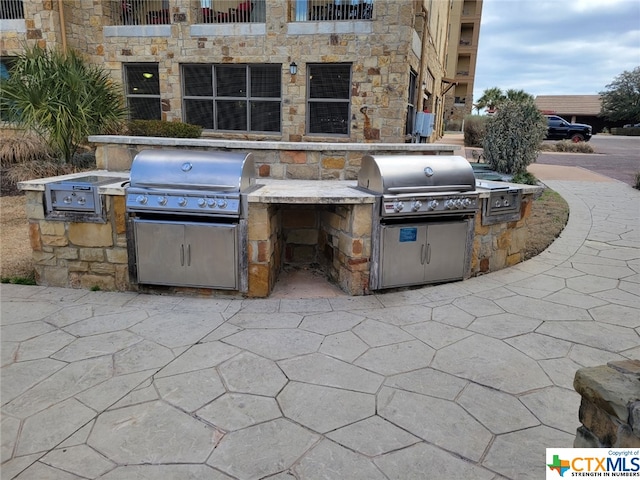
(187, 211)
(423, 227)
(418, 185)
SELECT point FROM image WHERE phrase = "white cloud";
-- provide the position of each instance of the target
(556, 47)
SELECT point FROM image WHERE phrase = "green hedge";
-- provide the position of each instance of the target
(160, 128)
(474, 130)
(632, 132)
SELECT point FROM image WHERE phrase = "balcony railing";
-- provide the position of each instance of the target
(139, 12)
(11, 10)
(231, 11)
(322, 10)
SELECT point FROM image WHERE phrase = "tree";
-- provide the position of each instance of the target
(61, 98)
(513, 136)
(519, 96)
(490, 99)
(621, 98)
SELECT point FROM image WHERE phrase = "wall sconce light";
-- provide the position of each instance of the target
(147, 75)
(293, 68)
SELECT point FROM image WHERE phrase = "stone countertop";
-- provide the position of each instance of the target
(115, 188)
(275, 145)
(309, 192)
(485, 187)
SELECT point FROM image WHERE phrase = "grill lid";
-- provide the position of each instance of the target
(193, 170)
(403, 174)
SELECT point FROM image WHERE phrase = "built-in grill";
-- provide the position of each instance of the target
(503, 203)
(77, 198)
(187, 210)
(423, 226)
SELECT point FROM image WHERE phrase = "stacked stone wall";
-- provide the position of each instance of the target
(79, 255)
(610, 407)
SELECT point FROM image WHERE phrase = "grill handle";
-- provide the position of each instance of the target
(182, 255)
(176, 186)
(189, 255)
(418, 188)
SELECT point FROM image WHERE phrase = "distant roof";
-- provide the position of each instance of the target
(569, 104)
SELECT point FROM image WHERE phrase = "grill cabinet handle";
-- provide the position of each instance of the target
(422, 254)
(189, 255)
(428, 253)
(182, 255)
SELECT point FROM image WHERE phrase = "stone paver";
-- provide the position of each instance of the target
(470, 379)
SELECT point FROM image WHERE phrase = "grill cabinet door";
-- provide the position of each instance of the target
(446, 249)
(414, 254)
(402, 250)
(186, 254)
(159, 252)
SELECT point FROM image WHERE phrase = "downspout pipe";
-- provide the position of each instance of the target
(63, 26)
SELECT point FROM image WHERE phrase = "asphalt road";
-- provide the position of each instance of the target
(616, 157)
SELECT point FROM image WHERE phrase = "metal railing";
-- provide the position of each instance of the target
(11, 9)
(231, 11)
(322, 10)
(139, 12)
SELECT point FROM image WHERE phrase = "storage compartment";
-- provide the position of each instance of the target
(420, 253)
(189, 254)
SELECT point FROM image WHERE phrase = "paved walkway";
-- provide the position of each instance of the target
(468, 380)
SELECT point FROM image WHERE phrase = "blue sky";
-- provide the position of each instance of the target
(556, 47)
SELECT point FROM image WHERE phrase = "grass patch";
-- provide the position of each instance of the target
(17, 280)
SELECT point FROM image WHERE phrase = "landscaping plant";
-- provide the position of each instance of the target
(61, 98)
(513, 137)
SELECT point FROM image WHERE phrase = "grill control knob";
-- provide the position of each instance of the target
(211, 203)
(398, 206)
(67, 199)
(142, 199)
(222, 203)
(182, 201)
(162, 200)
(467, 202)
(82, 200)
(448, 204)
(458, 203)
(202, 202)
(416, 205)
(432, 205)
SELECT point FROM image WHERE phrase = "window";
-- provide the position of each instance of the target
(11, 10)
(244, 98)
(411, 103)
(329, 98)
(143, 91)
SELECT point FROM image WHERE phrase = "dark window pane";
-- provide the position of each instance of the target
(144, 108)
(329, 81)
(142, 80)
(265, 116)
(231, 115)
(198, 80)
(199, 112)
(332, 118)
(231, 81)
(265, 81)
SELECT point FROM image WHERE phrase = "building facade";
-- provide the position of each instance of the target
(285, 70)
(462, 57)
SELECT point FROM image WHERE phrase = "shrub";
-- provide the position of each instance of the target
(454, 126)
(513, 137)
(161, 128)
(474, 130)
(567, 146)
(62, 98)
(20, 146)
(525, 178)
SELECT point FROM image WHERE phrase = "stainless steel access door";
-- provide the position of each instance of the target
(420, 253)
(187, 254)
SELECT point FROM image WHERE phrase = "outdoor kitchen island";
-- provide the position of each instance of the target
(322, 224)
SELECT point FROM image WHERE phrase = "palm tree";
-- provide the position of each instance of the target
(61, 98)
(519, 96)
(490, 99)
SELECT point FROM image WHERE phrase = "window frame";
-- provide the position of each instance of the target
(127, 75)
(319, 100)
(249, 100)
